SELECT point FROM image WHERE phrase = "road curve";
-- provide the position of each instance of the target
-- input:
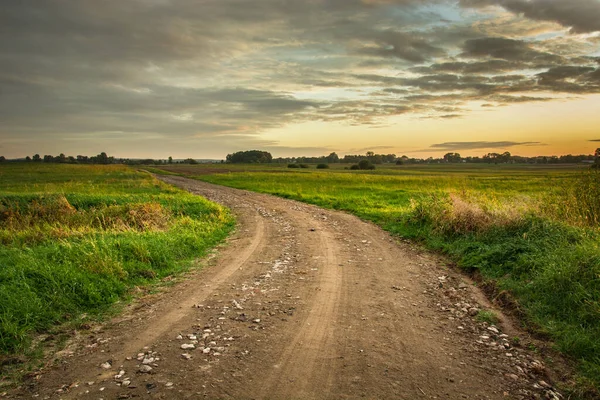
(301, 303)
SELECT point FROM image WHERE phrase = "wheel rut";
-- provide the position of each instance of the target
(307, 361)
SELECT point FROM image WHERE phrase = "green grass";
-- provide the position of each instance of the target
(76, 239)
(487, 316)
(532, 231)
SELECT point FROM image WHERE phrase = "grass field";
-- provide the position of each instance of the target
(531, 231)
(75, 239)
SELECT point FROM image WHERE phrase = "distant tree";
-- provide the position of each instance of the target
(48, 158)
(102, 158)
(293, 166)
(2, 158)
(389, 158)
(399, 162)
(504, 157)
(322, 166)
(28, 159)
(597, 155)
(452, 157)
(190, 161)
(170, 160)
(37, 158)
(491, 158)
(61, 158)
(333, 158)
(250, 157)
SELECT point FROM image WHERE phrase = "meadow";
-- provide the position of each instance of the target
(530, 233)
(75, 239)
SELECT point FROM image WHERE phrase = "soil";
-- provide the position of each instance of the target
(301, 303)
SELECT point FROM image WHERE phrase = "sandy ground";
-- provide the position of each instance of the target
(300, 303)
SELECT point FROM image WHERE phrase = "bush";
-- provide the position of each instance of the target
(293, 166)
(365, 164)
(322, 166)
(304, 166)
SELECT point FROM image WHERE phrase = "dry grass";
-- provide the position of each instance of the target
(53, 217)
(466, 213)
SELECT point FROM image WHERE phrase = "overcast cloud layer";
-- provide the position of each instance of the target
(219, 72)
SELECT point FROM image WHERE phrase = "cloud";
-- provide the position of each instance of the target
(579, 15)
(507, 49)
(365, 149)
(195, 73)
(594, 140)
(450, 146)
(409, 47)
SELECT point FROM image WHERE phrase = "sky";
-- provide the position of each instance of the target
(204, 78)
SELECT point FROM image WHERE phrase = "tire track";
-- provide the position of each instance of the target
(305, 364)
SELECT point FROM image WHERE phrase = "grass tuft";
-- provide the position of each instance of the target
(487, 316)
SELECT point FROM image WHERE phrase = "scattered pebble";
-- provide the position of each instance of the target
(145, 369)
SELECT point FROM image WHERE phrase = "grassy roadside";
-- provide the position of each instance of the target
(530, 232)
(75, 239)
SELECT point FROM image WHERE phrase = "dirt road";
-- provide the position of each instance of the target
(301, 303)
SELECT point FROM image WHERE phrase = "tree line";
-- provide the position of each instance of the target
(101, 158)
(264, 157)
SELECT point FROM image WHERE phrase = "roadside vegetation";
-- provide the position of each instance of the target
(75, 239)
(530, 232)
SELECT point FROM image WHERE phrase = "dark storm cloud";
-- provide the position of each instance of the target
(578, 15)
(507, 49)
(594, 140)
(449, 146)
(462, 67)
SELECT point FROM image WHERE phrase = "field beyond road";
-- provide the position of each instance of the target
(529, 232)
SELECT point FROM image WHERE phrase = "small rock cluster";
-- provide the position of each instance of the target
(525, 372)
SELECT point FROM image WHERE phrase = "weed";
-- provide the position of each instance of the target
(487, 316)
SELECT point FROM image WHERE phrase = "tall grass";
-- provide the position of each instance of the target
(534, 233)
(578, 201)
(76, 239)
